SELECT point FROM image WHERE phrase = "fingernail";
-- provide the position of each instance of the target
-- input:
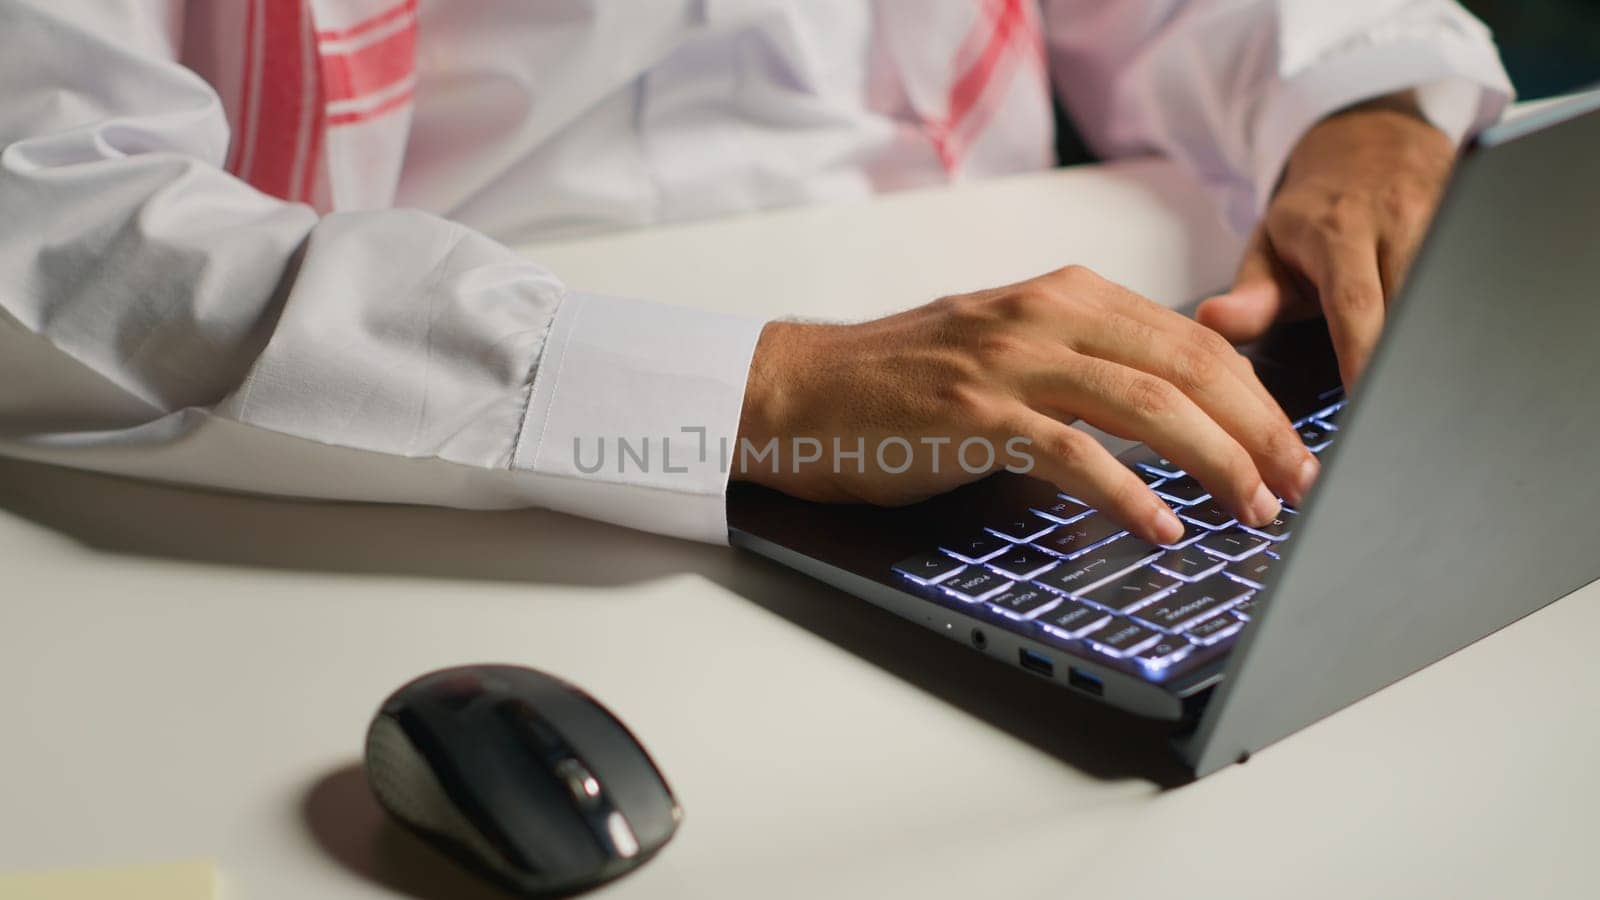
(1306, 477)
(1263, 506)
(1167, 528)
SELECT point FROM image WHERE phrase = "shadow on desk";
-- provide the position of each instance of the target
(347, 823)
(117, 515)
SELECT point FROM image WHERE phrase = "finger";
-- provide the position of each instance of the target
(1263, 293)
(1350, 290)
(1140, 406)
(1079, 466)
(1137, 307)
(1220, 382)
(1298, 468)
(1396, 252)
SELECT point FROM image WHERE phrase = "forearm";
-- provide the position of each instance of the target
(169, 321)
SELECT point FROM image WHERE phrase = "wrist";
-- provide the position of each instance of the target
(764, 414)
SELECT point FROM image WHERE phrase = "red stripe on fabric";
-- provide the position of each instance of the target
(282, 97)
(372, 68)
(969, 87)
(977, 37)
(367, 24)
(966, 117)
(362, 115)
(319, 113)
(247, 85)
(961, 138)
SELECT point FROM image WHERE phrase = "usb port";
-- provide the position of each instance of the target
(1083, 681)
(1036, 662)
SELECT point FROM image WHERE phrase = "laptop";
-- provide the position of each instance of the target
(1458, 493)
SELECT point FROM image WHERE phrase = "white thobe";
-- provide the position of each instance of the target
(331, 311)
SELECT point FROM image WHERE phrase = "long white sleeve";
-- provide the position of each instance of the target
(160, 318)
(1228, 87)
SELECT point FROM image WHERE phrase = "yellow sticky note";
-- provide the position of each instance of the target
(167, 881)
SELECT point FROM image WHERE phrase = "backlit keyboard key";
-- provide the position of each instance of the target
(1123, 638)
(1073, 619)
(1189, 563)
(1255, 570)
(1316, 437)
(1151, 479)
(1246, 608)
(1101, 564)
(1131, 590)
(1187, 605)
(975, 584)
(1023, 562)
(1185, 491)
(1164, 652)
(977, 549)
(1233, 545)
(1070, 540)
(1024, 529)
(1023, 601)
(1146, 458)
(1064, 510)
(1276, 530)
(1208, 514)
(1330, 414)
(929, 568)
(1214, 630)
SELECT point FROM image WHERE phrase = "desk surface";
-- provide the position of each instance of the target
(190, 674)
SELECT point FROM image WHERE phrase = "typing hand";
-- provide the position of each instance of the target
(1355, 200)
(1018, 362)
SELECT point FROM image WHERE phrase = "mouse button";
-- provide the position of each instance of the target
(542, 738)
(615, 757)
(513, 801)
(580, 783)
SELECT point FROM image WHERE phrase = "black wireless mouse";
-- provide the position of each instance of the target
(521, 776)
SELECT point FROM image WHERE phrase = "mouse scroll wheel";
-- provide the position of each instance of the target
(580, 781)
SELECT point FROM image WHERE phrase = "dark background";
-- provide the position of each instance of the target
(1549, 46)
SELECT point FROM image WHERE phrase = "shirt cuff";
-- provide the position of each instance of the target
(638, 403)
(1461, 87)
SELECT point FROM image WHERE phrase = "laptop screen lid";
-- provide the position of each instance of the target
(1461, 494)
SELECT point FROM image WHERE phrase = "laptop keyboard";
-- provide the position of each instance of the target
(1066, 573)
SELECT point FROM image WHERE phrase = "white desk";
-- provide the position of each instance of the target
(190, 674)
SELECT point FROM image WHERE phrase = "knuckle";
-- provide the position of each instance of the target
(1408, 204)
(1279, 442)
(1150, 396)
(1027, 303)
(1213, 344)
(1135, 332)
(955, 316)
(1067, 446)
(1074, 274)
(1356, 299)
(1341, 217)
(1399, 201)
(1197, 366)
